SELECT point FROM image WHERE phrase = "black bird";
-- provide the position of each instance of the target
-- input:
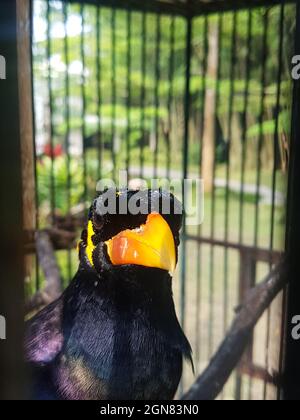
(114, 333)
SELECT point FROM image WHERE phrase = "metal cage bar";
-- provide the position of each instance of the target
(83, 103)
(143, 91)
(51, 111)
(99, 94)
(199, 230)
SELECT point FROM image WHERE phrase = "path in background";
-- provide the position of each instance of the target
(265, 193)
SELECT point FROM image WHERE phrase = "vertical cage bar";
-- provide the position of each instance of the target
(285, 291)
(275, 162)
(37, 198)
(67, 121)
(185, 160)
(114, 91)
(228, 156)
(156, 94)
(99, 93)
(170, 94)
(187, 98)
(213, 203)
(84, 104)
(261, 121)
(51, 109)
(260, 140)
(244, 125)
(128, 104)
(67, 106)
(143, 91)
(199, 230)
(238, 384)
(276, 116)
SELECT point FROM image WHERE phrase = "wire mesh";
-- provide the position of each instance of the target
(125, 89)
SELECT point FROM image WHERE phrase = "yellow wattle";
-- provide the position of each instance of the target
(90, 245)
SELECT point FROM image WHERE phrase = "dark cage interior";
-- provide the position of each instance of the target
(169, 90)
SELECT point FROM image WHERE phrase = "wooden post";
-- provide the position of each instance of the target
(26, 120)
(291, 353)
(11, 211)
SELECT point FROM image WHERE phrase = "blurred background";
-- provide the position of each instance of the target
(151, 90)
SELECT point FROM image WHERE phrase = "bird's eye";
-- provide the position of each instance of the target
(98, 221)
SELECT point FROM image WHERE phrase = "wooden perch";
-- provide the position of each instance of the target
(47, 261)
(74, 220)
(211, 382)
(60, 239)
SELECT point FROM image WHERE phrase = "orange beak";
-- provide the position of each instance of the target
(150, 245)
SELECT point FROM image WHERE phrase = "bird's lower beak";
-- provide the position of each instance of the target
(150, 245)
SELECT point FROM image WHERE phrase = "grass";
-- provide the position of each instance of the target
(249, 223)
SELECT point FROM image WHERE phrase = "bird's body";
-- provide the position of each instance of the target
(112, 335)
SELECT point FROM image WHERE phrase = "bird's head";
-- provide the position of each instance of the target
(132, 229)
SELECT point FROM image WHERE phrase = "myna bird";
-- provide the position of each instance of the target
(114, 333)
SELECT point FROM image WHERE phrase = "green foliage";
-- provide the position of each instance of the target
(59, 169)
(118, 81)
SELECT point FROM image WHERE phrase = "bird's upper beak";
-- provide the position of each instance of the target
(150, 245)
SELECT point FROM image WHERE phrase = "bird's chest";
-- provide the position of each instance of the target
(118, 356)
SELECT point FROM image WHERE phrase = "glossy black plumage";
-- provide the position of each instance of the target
(113, 334)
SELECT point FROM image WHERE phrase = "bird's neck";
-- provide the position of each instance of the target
(130, 288)
(132, 296)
